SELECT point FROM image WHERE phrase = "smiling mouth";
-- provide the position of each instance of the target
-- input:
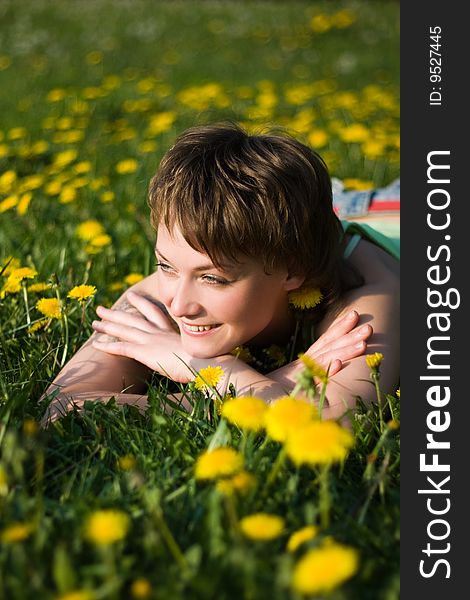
(199, 328)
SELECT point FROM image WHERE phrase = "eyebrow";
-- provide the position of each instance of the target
(208, 266)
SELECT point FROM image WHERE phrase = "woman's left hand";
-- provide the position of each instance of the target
(146, 335)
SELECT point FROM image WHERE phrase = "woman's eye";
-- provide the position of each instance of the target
(213, 280)
(164, 267)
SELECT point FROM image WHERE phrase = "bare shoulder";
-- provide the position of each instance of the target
(375, 265)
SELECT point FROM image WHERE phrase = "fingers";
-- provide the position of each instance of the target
(150, 310)
(118, 330)
(116, 348)
(339, 328)
(123, 318)
(335, 358)
(334, 367)
(356, 337)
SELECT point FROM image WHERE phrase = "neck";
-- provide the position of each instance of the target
(279, 331)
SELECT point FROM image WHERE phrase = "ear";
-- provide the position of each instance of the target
(293, 281)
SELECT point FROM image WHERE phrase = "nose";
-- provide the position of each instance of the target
(183, 301)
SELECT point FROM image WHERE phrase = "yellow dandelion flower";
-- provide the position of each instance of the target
(352, 183)
(23, 203)
(30, 427)
(285, 416)
(50, 307)
(320, 23)
(3, 482)
(89, 229)
(23, 273)
(373, 149)
(116, 286)
(323, 569)
(77, 595)
(398, 393)
(5, 62)
(16, 532)
(9, 265)
(220, 462)
(243, 354)
(106, 526)
(129, 165)
(107, 196)
(94, 57)
(247, 412)
(301, 536)
(305, 297)
(11, 286)
(343, 18)
(141, 588)
(31, 182)
(101, 240)
(319, 442)
(148, 146)
(262, 526)
(208, 377)
(56, 95)
(7, 181)
(133, 278)
(127, 462)
(40, 286)
(356, 132)
(17, 133)
(53, 188)
(318, 138)
(37, 325)
(8, 203)
(393, 424)
(240, 483)
(277, 355)
(160, 122)
(313, 368)
(82, 292)
(373, 360)
(67, 194)
(62, 159)
(98, 183)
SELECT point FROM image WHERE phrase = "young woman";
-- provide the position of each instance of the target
(245, 225)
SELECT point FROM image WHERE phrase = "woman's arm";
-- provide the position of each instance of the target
(378, 304)
(144, 338)
(91, 374)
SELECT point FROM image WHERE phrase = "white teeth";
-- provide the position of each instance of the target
(199, 327)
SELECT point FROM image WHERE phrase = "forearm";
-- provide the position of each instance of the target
(246, 380)
(63, 402)
(338, 398)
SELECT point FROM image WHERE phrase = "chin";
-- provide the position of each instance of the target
(198, 350)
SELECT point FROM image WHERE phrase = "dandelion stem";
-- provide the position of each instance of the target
(375, 379)
(275, 468)
(325, 498)
(294, 340)
(170, 541)
(25, 297)
(378, 481)
(321, 401)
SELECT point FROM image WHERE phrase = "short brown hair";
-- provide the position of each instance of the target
(263, 196)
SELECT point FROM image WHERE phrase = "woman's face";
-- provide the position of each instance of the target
(219, 309)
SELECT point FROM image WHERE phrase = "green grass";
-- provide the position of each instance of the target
(117, 66)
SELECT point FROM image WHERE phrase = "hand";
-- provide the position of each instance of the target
(147, 336)
(341, 342)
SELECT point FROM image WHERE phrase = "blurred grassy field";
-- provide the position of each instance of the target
(91, 95)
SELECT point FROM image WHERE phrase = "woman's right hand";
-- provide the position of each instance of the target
(341, 342)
